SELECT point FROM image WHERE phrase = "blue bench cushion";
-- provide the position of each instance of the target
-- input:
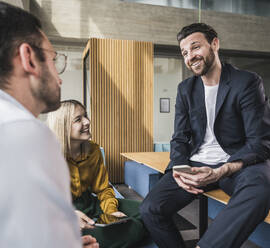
(140, 177)
(162, 147)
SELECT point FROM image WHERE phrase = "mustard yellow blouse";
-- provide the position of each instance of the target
(89, 170)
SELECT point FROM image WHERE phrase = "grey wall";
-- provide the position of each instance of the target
(24, 4)
(75, 19)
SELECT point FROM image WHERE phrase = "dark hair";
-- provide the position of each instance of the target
(16, 27)
(207, 30)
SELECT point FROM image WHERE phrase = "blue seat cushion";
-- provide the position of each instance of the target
(140, 177)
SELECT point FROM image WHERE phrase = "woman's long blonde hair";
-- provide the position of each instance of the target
(60, 122)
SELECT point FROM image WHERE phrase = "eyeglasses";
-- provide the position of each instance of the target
(60, 60)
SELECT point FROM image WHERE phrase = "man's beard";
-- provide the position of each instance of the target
(208, 62)
(50, 96)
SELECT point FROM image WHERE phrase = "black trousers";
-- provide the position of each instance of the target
(249, 189)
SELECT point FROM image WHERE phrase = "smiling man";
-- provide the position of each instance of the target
(35, 209)
(222, 130)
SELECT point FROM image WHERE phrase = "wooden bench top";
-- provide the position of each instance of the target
(155, 160)
(159, 162)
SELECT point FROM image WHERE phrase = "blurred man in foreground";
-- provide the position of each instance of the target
(36, 209)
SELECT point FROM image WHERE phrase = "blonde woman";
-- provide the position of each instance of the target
(88, 175)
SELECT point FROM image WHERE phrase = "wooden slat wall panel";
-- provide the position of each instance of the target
(121, 81)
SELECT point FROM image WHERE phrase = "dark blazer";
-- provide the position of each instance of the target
(242, 118)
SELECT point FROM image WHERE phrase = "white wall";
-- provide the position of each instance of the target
(72, 87)
(167, 75)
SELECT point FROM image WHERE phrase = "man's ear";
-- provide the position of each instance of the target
(215, 44)
(28, 59)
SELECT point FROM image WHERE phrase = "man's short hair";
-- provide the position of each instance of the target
(17, 26)
(207, 30)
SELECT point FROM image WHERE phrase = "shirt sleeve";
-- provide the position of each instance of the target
(36, 209)
(102, 188)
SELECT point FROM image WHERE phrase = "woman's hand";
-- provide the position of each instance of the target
(118, 214)
(89, 242)
(84, 220)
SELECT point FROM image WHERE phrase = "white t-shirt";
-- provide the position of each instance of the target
(36, 209)
(210, 151)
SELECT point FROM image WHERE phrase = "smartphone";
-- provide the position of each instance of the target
(105, 220)
(183, 168)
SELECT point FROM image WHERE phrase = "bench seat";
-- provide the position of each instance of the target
(217, 199)
(220, 196)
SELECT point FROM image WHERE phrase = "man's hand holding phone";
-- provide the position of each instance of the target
(192, 178)
(181, 175)
(184, 168)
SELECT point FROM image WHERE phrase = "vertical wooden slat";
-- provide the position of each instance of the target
(121, 99)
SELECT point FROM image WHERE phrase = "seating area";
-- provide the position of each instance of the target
(141, 178)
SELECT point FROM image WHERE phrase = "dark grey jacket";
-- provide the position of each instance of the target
(242, 118)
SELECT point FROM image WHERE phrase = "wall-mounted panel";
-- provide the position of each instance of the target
(121, 99)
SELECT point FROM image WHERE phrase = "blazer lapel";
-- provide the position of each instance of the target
(200, 95)
(199, 99)
(223, 89)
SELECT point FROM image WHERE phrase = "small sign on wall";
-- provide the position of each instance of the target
(164, 105)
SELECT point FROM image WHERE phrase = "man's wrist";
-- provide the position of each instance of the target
(231, 167)
(225, 170)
